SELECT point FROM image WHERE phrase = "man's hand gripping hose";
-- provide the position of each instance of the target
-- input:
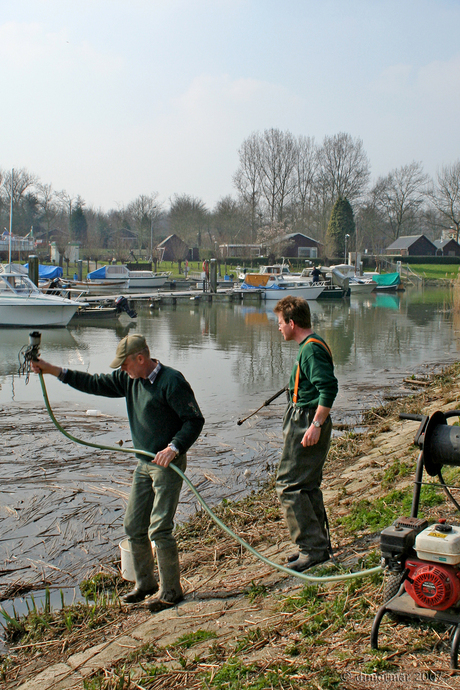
(277, 566)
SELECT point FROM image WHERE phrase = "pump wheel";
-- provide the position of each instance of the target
(391, 587)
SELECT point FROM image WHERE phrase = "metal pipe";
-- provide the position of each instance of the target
(267, 402)
(417, 486)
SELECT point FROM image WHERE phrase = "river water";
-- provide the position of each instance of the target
(61, 506)
(234, 357)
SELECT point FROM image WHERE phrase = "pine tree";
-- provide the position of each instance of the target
(341, 224)
(78, 225)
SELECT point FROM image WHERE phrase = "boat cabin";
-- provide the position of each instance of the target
(16, 283)
(275, 269)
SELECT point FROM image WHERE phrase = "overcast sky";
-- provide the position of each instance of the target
(109, 99)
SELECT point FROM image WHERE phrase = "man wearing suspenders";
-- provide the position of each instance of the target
(307, 431)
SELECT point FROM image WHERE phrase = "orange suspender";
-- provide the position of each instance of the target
(297, 374)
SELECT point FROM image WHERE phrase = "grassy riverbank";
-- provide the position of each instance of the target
(441, 272)
(244, 625)
(429, 272)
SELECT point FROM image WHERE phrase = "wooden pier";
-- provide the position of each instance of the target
(159, 298)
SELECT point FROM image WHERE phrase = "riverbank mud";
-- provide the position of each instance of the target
(62, 504)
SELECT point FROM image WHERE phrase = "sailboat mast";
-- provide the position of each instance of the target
(11, 219)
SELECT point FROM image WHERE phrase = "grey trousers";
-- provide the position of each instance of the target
(298, 481)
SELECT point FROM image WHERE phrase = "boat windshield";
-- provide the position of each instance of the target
(16, 283)
(276, 269)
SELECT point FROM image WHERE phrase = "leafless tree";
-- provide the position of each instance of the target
(247, 177)
(20, 186)
(48, 201)
(265, 177)
(305, 179)
(66, 202)
(188, 218)
(399, 197)
(369, 226)
(230, 221)
(277, 160)
(344, 168)
(445, 196)
(144, 212)
(20, 181)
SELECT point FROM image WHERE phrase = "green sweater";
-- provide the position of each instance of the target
(159, 413)
(317, 382)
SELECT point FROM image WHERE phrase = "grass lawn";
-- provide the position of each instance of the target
(436, 271)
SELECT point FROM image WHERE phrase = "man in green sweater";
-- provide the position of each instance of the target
(164, 419)
(307, 430)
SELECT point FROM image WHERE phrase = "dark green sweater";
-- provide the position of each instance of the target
(317, 382)
(159, 413)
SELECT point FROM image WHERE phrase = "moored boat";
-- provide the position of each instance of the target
(22, 304)
(87, 313)
(132, 280)
(386, 281)
(357, 284)
(275, 286)
(330, 291)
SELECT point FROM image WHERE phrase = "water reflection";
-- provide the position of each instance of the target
(386, 301)
(233, 353)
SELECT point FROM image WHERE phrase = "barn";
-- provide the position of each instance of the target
(448, 247)
(412, 245)
(296, 245)
(172, 249)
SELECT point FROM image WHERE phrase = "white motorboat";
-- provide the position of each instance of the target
(330, 291)
(22, 304)
(147, 279)
(127, 279)
(276, 286)
(99, 287)
(358, 284)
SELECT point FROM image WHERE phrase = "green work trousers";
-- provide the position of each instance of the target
(153, 502)
(298, 481)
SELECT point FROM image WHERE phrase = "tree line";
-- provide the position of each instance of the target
(283, 184)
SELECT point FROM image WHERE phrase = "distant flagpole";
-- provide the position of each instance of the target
(11, 219)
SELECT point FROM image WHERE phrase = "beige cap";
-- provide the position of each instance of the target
(129, 345)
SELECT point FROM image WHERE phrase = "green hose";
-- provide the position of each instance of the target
(282, 568)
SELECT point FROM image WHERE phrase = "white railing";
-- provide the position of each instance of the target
(17, 244)
(411, 275)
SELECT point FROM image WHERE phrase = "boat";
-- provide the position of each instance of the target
(22, 304)
(97, 287)
(333, 291)
(133, 280)
(357, 284)
(103, 312)
(86, 313)
(276, 286)
(330, 291)
(51, 282)
(386, 281)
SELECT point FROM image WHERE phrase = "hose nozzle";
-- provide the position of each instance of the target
(29, 353)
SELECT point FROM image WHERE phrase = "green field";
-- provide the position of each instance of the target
(436, 271)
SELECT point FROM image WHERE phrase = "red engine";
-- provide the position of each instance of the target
(433, 585)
